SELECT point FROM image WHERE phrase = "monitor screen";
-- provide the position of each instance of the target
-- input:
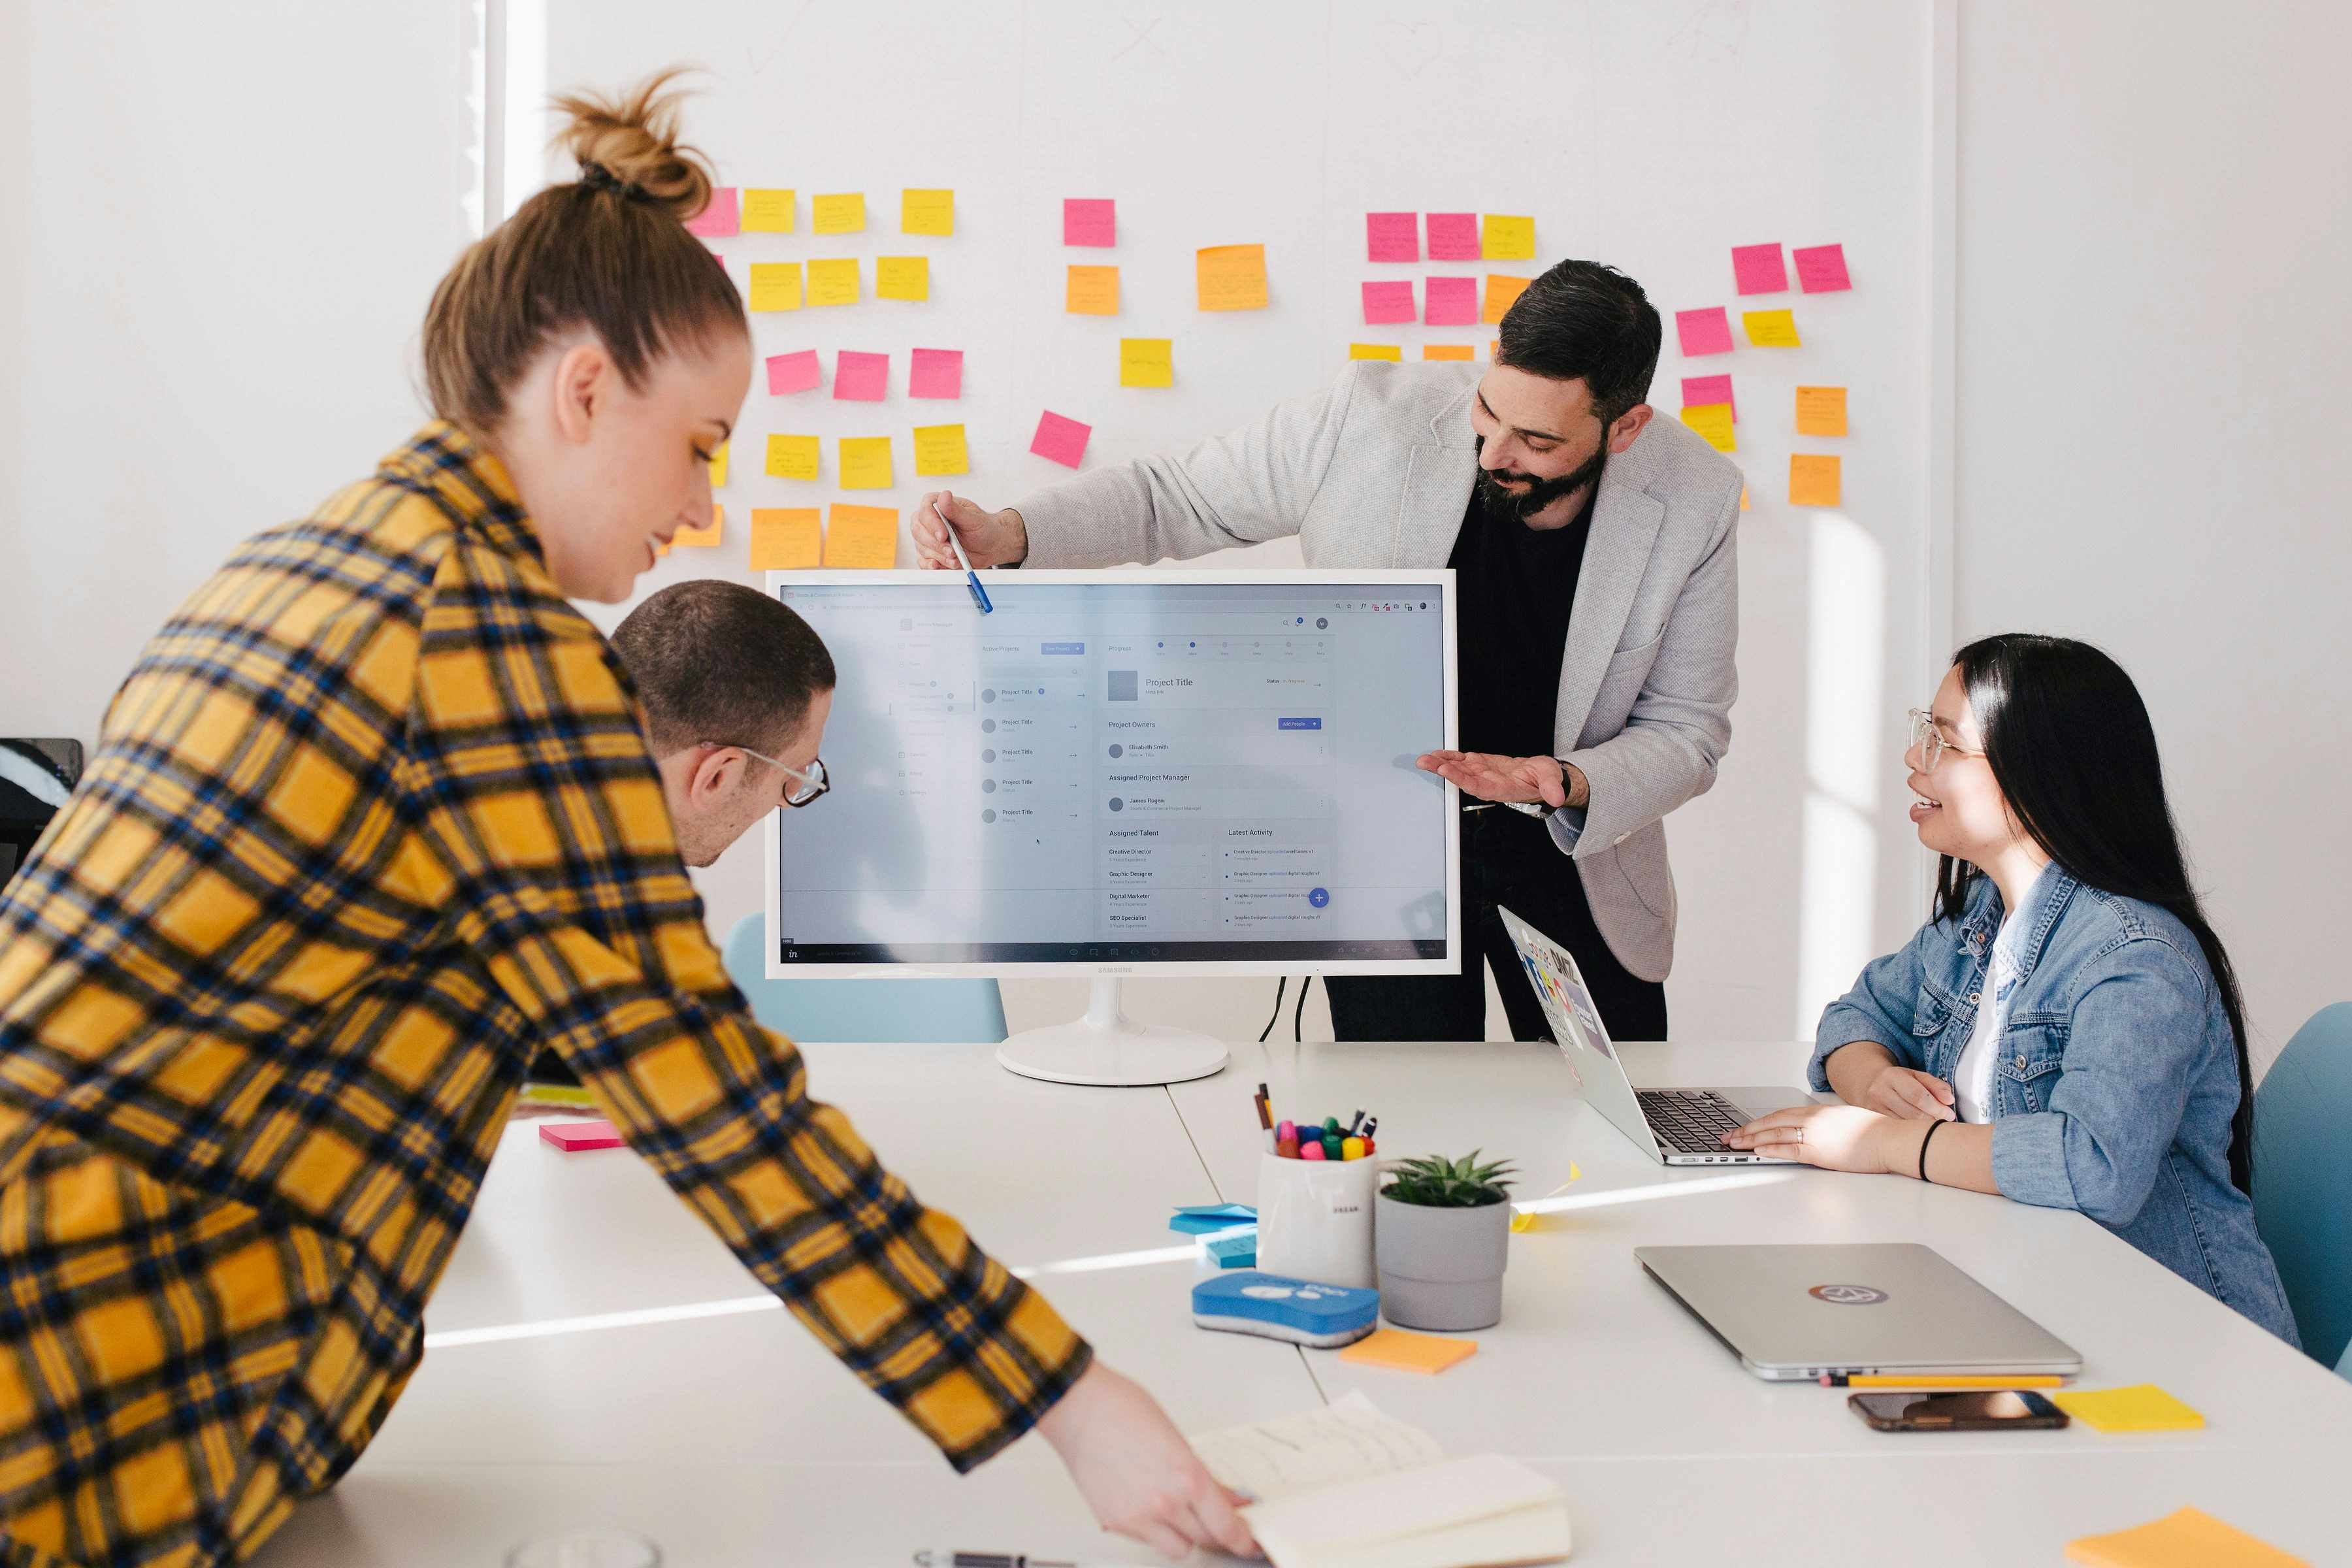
(1125, 770)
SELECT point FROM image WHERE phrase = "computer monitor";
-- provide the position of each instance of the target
(1141, 772)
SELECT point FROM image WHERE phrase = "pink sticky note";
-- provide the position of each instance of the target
(793, 373)
(1089, 220)
(1454, 237)
(1061, 441)
(1392, 237)
(720, 218)
(1387, 302)
(1820, 268)
(1701, 390)
(861, 378)
(1453, 302)
(937, 373)
(574, 1136)
(1758, 270)
(1706, 332)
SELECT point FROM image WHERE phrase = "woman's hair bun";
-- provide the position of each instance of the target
(634, 138)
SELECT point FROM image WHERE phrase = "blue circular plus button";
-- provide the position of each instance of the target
(1318, 896)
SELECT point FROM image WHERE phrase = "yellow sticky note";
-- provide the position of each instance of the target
(939, 449)
(1092, 291)
(1232, 278)
(1409, 1352)
(861, 536)
(1712, 420)
(837, 215)
(1770, 328)
(767, 212)
(791, 457)
(709, 535)
(865, 463)
(902, 278)
(834, 282)
(1504, 239)
(1820, 411)
(1743, 498)
(1448, 351)
(1501, 290)
(776, 285)
(1375, 350)
(1813, 481)
(2186, 1537)
(2142, 1407)
(1528, 1217)
(1147, 362)
(926, 212)
(719, 466)
(785, 538)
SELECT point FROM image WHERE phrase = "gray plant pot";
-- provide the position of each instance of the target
(1441, 1268)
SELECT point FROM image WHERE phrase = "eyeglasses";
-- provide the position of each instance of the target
(1929, 738)
(807, 785)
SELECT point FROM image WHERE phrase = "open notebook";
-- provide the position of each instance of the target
(1347, 1486)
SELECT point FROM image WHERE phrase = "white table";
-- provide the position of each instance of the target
(734, 1440)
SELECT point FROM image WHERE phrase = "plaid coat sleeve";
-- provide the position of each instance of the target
(528, 779)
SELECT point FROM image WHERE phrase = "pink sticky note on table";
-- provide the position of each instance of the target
(1392, 236)
(937, 373)
(1820, 268)
(1060, 440)
(1758, 270)
(720, 218)
(1452, 237)
(1453, 302)
(1388, 302)
(574, 1136)
(1089, 220)
(1706, 332)
(1701, 390)
(861, 377)
(793, 373)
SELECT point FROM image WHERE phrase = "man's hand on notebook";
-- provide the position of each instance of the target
(1137, 1471)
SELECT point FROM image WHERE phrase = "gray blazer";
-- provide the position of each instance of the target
(1376, 469)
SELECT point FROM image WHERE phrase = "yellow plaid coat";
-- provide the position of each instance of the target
(370, 822)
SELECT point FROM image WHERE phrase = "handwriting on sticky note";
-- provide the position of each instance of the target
(1376, 350)
(860, 377)
(1392, 237)
(902, 278)
(1448, 351)
(1232, 277)
(775, 285)
(926, 212)
(768, 212)
(795, 371)
(1387, 302)
(719, 218)
(1713, 421)
(718, 467)
(834, 282)
(1059, 440)
(1820, 411)
(865, 463)
(1813, 481)
(1089, 220)
(1820, 268)
(861, 536)
(1698, 390)
(1706, 332)
(1092, 291)
(1770, 328)
(708, 534)
(1147, 362)
(939, 449)
(1451, 303)
(936, 372)
(844, 214)
(1504, 239)
(1501, 291)
(1758, 270)
(785, 538)
(793, 456)
(1452, 237)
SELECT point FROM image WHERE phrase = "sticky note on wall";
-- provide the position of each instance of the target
(1147, 362)
(844, 214)
(940, 450)
(1698, 390)
(1392, 237)
(1713, 421)
(1388, 301)
(1771, 329)
(775, 285)
(1506, 238)
(936, 372)
(719, 466)
(902, 277)
(1089, 220)
(834, 282)
(865, 463)
(1501, 291)
(793, 456)
(1450, 302)
(785, 538)
(1376, 350)
(768, 211)
(1758, 270)
(1452, 237)
(1060, 439)
(1820, 268)
(1813, 481)
(707, 535)
(1092, 291)
(861, 537)
(926, 212)
(1820, 411)
(796, 372)
(1706, 332)
(860, 377)
(1447, 350)
(1232, 277)
(719, 218)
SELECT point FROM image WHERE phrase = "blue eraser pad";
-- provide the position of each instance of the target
(1232, 1249)
(1298, 1311)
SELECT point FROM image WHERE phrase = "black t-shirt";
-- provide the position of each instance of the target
(1515, 588)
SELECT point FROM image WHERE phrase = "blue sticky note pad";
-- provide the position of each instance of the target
(1284, 1309)
(1203, 1219)
(1232, 1249)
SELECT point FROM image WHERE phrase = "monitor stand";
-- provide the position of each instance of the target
(1107, 1047)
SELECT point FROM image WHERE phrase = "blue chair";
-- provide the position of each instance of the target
(2303, 1183)
(909, 1010)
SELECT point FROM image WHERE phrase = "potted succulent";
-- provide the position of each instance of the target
(1443, 1234)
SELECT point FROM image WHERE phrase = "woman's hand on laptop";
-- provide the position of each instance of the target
(1909, 1094)
(1835, 1138)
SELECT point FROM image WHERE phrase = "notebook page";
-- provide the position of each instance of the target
(1342, 1442)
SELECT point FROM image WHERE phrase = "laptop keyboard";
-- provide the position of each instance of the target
(1689, 1121)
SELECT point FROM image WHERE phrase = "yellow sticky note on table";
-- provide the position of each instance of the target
(710, 534)
(939, 449)
(1530, 1215)
(767, 212)
(1147, 362)
(1409, 1352)
(1501, 290)
(1376, 350)
(2187, 1537)
(1712, 420)
(1092, 291)
(1820, 411)
(785, 538)
(1448, 351)
(1814, 479)
(1770, 328)
(791, 457)
(1232, 277)
(902, 278)
(776, 285)
(833, 281)
(926, 212)
(861, 536)
(719, 466)
(837, 215)
(1504, 238)
(2142, 1407)
(865, 463)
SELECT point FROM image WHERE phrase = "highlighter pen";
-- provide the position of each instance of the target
(1868, 1380)
(970, 577)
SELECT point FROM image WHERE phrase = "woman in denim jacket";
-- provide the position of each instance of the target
(2067, 1030)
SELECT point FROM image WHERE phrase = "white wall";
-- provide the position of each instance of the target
(2155, 237)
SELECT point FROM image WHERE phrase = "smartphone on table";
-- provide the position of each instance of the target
(1975, 1410)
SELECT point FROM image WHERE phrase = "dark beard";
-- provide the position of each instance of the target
(1516, 506)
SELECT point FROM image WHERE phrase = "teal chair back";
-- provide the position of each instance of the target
(911, 1010)
(2302, 1180)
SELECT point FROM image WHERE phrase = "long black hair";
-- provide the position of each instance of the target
(2071, 748)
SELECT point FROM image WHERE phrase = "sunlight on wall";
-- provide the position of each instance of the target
(1847, 760)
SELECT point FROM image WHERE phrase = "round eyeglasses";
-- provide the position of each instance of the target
(1928, 737)
(807, 784)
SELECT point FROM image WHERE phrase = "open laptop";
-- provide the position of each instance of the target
(1674, 1126)
(1802, 1313)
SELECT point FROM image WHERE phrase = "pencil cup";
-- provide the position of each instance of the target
(1315, 1220)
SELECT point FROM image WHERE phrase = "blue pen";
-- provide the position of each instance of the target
(970, 577)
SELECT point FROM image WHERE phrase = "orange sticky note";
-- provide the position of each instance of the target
(861, 536)
(939, 449)
(831, 281)
(1501, 290)
(902, 278)
(1712, 420)
(865, 463)
(1814, 479)
(791, 457)
(1448, 351)
(1147, 362)
(784, 538)
(926, 212)
(767, 212)
(706, 536)
(1409, 1352)
(2187, 1537)
(1820, 411)
(1376, 350)
(1092, 291)
(1232, 278)
(718, 467)
(837, 215)
(1743, 498)
(776, 285)
(1504, 238)
(1771, 329)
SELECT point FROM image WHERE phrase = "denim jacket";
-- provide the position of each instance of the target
(2116, 1079)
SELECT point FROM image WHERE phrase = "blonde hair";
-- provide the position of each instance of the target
(609, 251)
